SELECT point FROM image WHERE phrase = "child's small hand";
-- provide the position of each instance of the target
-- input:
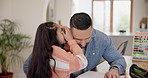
(67, 34)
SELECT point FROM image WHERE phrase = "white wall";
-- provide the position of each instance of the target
(5, 9)
(82, 6)
(63, 11)
(66, 8)
(139, 11)
(28, 14)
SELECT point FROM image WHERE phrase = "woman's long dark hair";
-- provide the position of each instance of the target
(39, 66)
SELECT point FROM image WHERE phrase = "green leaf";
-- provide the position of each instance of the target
(11, 44)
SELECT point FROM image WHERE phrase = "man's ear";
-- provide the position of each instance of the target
(71, 30)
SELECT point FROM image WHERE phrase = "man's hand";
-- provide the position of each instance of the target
(112, 73)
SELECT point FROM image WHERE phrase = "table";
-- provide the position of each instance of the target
(104, 67)
(92, 74)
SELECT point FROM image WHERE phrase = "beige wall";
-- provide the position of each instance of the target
(28, 14)
(139, 11)
(63, 11)
(5, 9)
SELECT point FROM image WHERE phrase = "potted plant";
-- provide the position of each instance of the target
(11, 44)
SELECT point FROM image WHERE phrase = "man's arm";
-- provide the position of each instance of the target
(26, 64)
(115, 59)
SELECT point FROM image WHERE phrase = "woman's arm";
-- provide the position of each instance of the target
(71, 61)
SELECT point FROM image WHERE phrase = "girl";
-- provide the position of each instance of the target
(51, 61)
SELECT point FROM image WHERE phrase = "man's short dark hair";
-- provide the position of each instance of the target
(81, 21)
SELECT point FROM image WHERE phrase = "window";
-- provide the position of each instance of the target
(112, 15)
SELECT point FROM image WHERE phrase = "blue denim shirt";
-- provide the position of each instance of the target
(100, 46)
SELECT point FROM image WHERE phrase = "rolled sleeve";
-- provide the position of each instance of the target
(114, 58)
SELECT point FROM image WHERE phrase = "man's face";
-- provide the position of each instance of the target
(82, 37)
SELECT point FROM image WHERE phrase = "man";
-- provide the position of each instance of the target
(95, 45)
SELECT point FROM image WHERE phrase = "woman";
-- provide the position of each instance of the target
(51, 61)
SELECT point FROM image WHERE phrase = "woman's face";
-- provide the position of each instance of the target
(59, 36)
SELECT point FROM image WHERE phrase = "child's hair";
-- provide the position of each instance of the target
(39, 66)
